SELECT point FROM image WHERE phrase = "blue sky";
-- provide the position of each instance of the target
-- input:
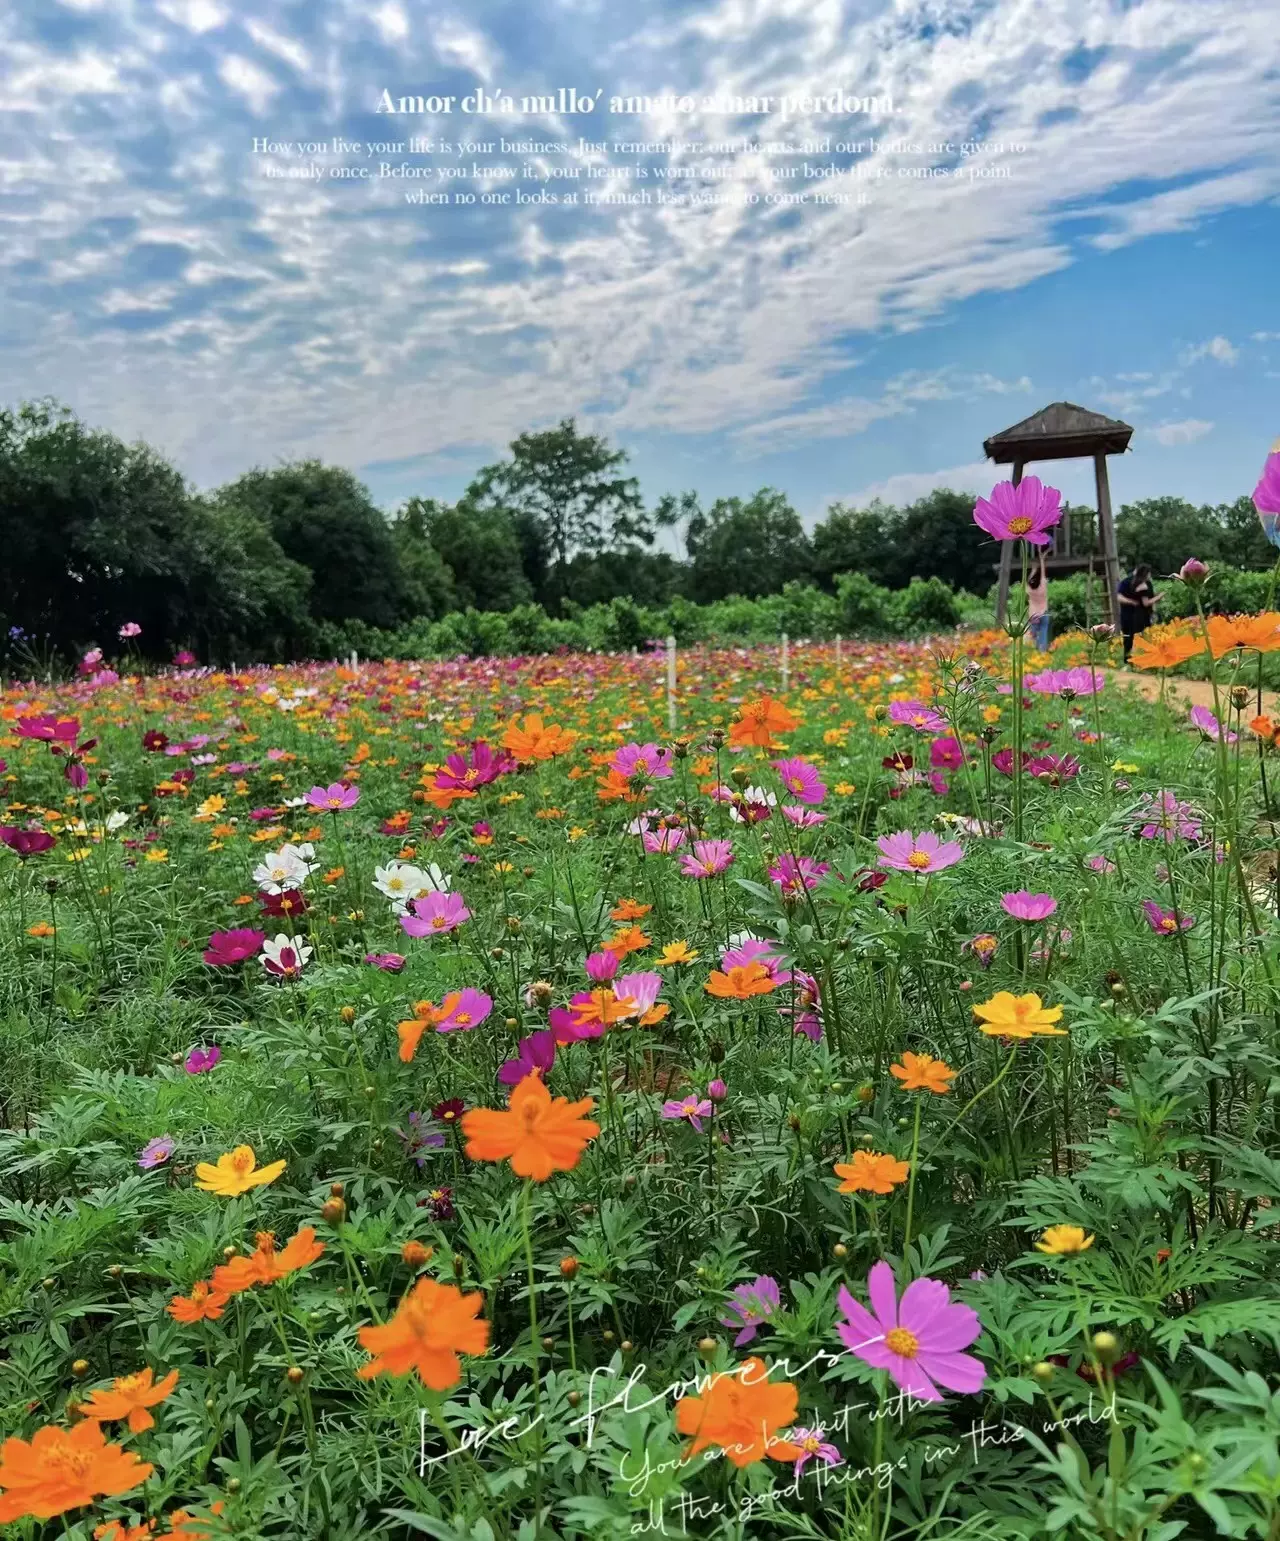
(156, 280)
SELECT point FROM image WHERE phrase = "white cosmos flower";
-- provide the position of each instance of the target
(756, 795)
(402, 882)
(288, 706)
(289, 867)
(285, 956)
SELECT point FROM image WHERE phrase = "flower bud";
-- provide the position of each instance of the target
(1107, 1347)
(866, 1094)
(1193, 572)
(529, 872)
(336, 1190)
(294, 1374)
(1102, 632)
(715, 1052)
(568, 1267)
(574, 1398)
(80, 1368)
(233, 1486)
(740, 775)
(1239, 697)
(717, 1091)
(548, 1344)
(627, 1346)
(415, 1254)
(708, 1346)
(840, 1252)
(333, 1211)
(1043, 1372)
(348, 1014)
(607, 1335)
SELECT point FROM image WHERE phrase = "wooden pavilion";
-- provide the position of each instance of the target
(1063, 431)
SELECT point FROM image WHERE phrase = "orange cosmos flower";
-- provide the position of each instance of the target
(433, 1325)
(1263, 726)
(265, 1265)
(117, 1530)
(758, 722)
(1164, 652)
(741, 983)
(1018, 1016)
(537, 740)
(236, 1173)
(130, 1397)
(604, 1006)
(60, 1470)
(539, 1134)
(204, 1304)
(185, 1526)
(1261, 633)
(626, 940)
(445, 797)
(629, 909)
(615, 788)
(867, 1171)
(425, 1014)
(740, 1412)
(923, 1073)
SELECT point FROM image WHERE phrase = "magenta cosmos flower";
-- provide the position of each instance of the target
(464, 774)
(915, 714)
(333, 798)
(1165, 922)
(801, 780)
(664, 841)
(229, 947)
(922, 853)
(1266, 496)
(813, 1447)
(1024, 905)
(48, 729)
(1163, 817)
(201, 1059)
(645, 760)
(1208, 724)
(388, 962)
(946, 753)
(435, 914)
(26, 842)
(1024, 512)
(535, 1055)
(1079, 681)
(917, 1339)
(707, 859)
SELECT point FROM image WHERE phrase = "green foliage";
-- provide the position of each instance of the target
(752, 546)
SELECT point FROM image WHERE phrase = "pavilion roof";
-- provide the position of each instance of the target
(1059, 431)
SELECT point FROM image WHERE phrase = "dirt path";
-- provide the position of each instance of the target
(1188, 692)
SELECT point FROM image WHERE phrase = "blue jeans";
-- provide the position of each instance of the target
(1038, 625)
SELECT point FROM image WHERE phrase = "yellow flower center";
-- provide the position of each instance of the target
(1167, 923)
(437, 922)
(463, 1019)
(68, 1463)
(918, 859)
(1020, 525)
(900, 1341)
(529, 1116)
(810, 1443)
(242, 1162)
(128, 1384)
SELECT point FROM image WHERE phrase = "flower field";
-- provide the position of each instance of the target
(445, 1100)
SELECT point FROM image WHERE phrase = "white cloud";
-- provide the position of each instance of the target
(1218, 348)
(246, 79)
(978, 477)
(286, 48)
(1188, 431)
(1264, 337)
(195, 15)
(391, 22)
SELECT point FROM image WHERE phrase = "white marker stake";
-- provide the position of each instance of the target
(786, 664)
(671, 683)
(839, 655)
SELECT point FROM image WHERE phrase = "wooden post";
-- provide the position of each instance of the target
(1107, 535)
(839, 655)
(671, 683)
(1006, 562)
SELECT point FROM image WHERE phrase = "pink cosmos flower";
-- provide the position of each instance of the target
(129, 629)
(803, 818)
(946, 753)
(463, 774)
(1164, 922)
(1164, 817)
(918, 854)
(751, 949)
(435, 914)
(388, 962)
(694, 1108)
(707, 859)
(229, 947)
(1099, 863)
(639, 992)
(1024, 905)
(1203, 718)
(645, 760)
(794, 875)
(750, 1306)
(1052, 769)
(917, 1339)
(983, 947)
(333, 798)
(915, 714)
(1079, 681)
(1023, 512)
(156, 1152)
(813, 1447)
(801, 780)
(663, 841)
(202, 1059)
(469, 1010)
(49, 729)
(806, 1010)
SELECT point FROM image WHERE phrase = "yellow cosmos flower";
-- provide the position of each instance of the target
(235, 1173)
(676, 952)
(1059, 1240)
(1018, 1016)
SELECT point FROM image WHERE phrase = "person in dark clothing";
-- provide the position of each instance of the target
(1138, 600)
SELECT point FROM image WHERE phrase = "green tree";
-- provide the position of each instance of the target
(481, 549)
(856, 540)
(749, 547)
(427, 578)
(569, 488)
(324, 519)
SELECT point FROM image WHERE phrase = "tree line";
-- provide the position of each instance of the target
(96, 533)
